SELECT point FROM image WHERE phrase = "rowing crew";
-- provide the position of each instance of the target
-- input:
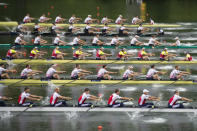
(103, 73)
(56, 100)
(73, 19)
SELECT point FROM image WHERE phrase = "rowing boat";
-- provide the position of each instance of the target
(105, 46)
(97, 109)
(33, 81)
(40, 61)
(14, 23)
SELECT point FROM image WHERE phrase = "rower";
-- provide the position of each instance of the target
(28, 72)
(176, 74)
(39, 41)
(79, 54)
(177, 43)
(3, 99)
(13, 54)
(21, 28)
(28, 19)
(135, 41)
(52, 73)
(44, 19)
(141, 29)
(58, 42)
(152, 21)
(130, 74)
(145, 96)
(120, 20)
(143, 55)
(73, 29)
(123, 30)
(87, 96)
(4, 72)
(153, 41)
(89, 30)
(115, 41)
(54, 29)
(136, 20)
(172, 102)
(114, 97)
(36, 54)
(89, 20)
(77, 41)
(100, 55)
(19, 40)
(153, 74)
(105, 20)
(26, 95)
(165, 55)
(103, 74)
(188, 57)
(123, 55)
(54, 99)
(59, 19)
(56, 54)
(78, 73)
(106, 29)
(74, 19)
(96, 41)
(37, 29)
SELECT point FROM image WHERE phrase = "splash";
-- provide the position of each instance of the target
(117, 67)
(129, 89)
(181, 89)
(156, 120)
(165, 67)
(135, 115)
(71, 115)
(45, 101)
(5, 115)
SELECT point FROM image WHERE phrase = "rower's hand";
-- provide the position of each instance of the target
(131, 99)
(190, 100)
(41, 97)
(13, 71)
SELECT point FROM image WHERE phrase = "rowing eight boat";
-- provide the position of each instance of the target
(40, 61)
(33, 81)
(97, 109)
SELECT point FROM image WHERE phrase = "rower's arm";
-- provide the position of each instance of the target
(126, 98)
(85, 71)
(35, 96)
(32, 98)
(153, 98)
(186, 99)
(109, 72)
(65, 98)
(92, 97)
(60, 72)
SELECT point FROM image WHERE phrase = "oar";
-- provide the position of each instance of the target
(16, 82)
(30, 106)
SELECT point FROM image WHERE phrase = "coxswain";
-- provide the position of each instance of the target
(136, 20)
(57, 54)
(177, 42)
(100, 55)
(172, 103)
(19, 40)
(3, 99)
(153, 74)
(123, 30)
(79, 54)
(13, 54)
(77, 41)
(115, 41)
(59, 19)
(152, 21)
(141, 29)
(28, 19)
(73, 19)
(188, 57)
(44, 19)
(165, 55)
(58, 42)
(106, 20)
(28, 72)
(176, 74)
(89, 30)
(144, 97)
(52, 73)
(39, 41)
(143, 55)
(153, 41)
(120, 20)
(4, 72)
(123, 55)
(54, 100)
(130, 74)
(89, 20)
(135, 41)
(72, 29)
(103, 74)
(36, 54)
(112, 101)
(79, 73)
(96, 41)
(87, 96)
(27, 96)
